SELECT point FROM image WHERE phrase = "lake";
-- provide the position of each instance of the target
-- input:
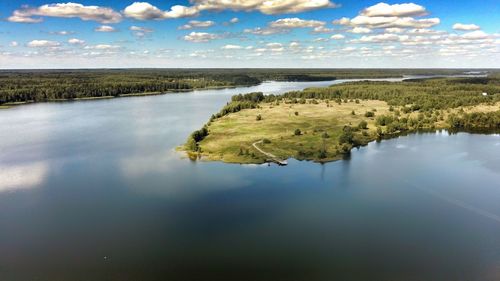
(94, 190)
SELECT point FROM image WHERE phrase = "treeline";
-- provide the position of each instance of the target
(475, 121)
(46, 85)
(426, 95)
(23, 86)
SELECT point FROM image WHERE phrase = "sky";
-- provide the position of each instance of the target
(249, 34)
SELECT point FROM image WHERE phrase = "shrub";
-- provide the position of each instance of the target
(363, 125)
(297, 132)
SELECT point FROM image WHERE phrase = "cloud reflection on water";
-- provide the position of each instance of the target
(22, 176)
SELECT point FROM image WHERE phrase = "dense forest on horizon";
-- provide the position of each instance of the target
(51, 85)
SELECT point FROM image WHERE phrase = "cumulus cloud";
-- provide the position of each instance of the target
(231, 47)
(465, 27)
(146, 11)
(140, 31)
(13, 44)
(105, 28)
(380, 38)
(75, 41)
(391, 22)
(295, 23)
(286, 24)
(234, 20)
(396, 10)
(42, 44)
(27, 14)
(383, 15)
(200, 37)
(102, 47)
(275, 47)
(475, 35)
(360, 30)
(197, 24)
(266, 31)
(337, 37)
(269, 7)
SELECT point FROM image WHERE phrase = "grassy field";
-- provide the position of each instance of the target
(321, 123)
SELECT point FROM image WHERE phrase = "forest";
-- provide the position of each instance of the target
(19, 86)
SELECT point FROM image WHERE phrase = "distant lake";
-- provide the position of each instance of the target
(94, 190)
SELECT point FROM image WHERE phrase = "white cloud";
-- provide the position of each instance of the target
(197, 24)
(360, 30)
(75, 41)
(234, 20)
(380, 38)
(383, 15)
(394, 30)
(465, 27)
(322, 29)
(42, 44)
(140, 31)
(286, 24)
(275, 47)
(200, 37)
(390, 22)
(102, 47)
(269, 7)
(337, 37)
(396, 10)
(295, 23)
(266, 31)
(475, 35)
(424, 31)
(13, 44)
(27, 14)
(105, 28)
(232, 47)
(146, 11)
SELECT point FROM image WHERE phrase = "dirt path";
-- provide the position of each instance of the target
(273, 157)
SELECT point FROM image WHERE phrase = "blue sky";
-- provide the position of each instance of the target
(249, 33)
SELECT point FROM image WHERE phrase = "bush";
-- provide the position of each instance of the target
(266, 141)
(369, 114)
(297, 132)
(258, 118)
(363, 125)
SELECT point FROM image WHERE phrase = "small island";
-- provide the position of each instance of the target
(324, 124)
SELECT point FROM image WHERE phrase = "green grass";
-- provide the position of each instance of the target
(231, 137)
(238, 131)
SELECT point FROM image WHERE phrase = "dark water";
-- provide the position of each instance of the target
(94, 191)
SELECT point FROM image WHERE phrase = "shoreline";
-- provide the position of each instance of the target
(10, 105)
(324, 124)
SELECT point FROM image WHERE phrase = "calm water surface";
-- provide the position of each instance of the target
(95, 191)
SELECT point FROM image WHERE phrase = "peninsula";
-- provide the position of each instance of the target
(324, 124)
